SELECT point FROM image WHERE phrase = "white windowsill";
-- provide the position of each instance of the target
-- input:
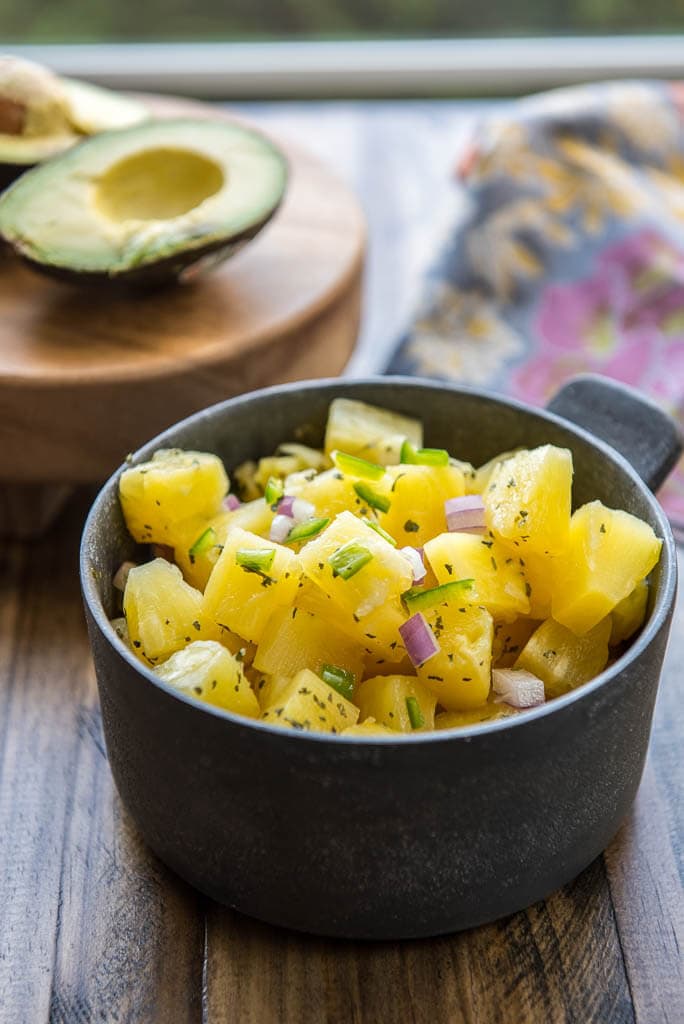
(363, 68)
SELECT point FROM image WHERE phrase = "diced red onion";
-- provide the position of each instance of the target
(280, 527)
(121, 575)
(302, 510)
(285, 506)
(162, 551)
(518, 688)
(414, 556)
(296, 508)
(419, 640)
(466, 514)
(231, 502)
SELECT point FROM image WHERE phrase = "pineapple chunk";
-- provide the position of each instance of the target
(500, 583)
(538, 572)
(366, 430)
(562, 659)
(460, 673)
(241, 598)
(206, 670)
(528, 499)
(120, 627)
(478, 481)
(377, 634)
(197, 545)
(268, 689)
(310, 704)
(417, 495)
(173, 486)
(356, 566)
(197, 551)
(368, 728)
(330, 493)
(163, 612)
(488, 712)
(291, 458)
(295, 639)
(509, 640)
(629, 614)
(385, 699)
(610, 551)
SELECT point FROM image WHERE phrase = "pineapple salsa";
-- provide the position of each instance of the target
(378, 586)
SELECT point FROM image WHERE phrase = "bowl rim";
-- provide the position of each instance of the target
(661, 611)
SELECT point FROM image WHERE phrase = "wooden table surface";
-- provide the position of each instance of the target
(95, 930)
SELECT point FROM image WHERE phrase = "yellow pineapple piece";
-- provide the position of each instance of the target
(629, 614)
(252, 578)
(373, 433)
(379, 664)
(478, 481)
(417, 495)
(294, 639)
(356, 566)
(172, 487)
(163, 612)
(538, 571)
(206, 670)
(563, 660)
(500, 583)
(368, 728)
(387, 700)
(269, 687)
(376, 634)
(197, 543)
(330, 493)
(290, 458)
(460, 673)
(488, 712)
(528, 500)
(609, 552)
(310, 704)
(509, 640)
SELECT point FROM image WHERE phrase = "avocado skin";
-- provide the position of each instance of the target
(10, 173)
(186, 264)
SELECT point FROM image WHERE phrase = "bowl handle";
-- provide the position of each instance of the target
(647, 437)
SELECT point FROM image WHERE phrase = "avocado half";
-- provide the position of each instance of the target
(42, 115)
(146, 204)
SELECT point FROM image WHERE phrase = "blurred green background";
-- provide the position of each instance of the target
(66, 21)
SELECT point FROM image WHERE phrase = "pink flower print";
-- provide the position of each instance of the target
(626, 321)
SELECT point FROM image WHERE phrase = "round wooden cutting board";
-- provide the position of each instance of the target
(88, 375)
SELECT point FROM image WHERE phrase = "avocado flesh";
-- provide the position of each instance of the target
(52, 114)
(145, 203)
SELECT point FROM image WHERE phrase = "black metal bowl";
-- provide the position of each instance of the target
(375, 837)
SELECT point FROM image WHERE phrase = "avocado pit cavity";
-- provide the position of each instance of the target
(157, 184)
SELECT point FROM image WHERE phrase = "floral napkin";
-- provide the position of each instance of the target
(568, 255)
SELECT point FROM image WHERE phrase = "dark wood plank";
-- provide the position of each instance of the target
(560, 962)
(92, 927)
(645, 864)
